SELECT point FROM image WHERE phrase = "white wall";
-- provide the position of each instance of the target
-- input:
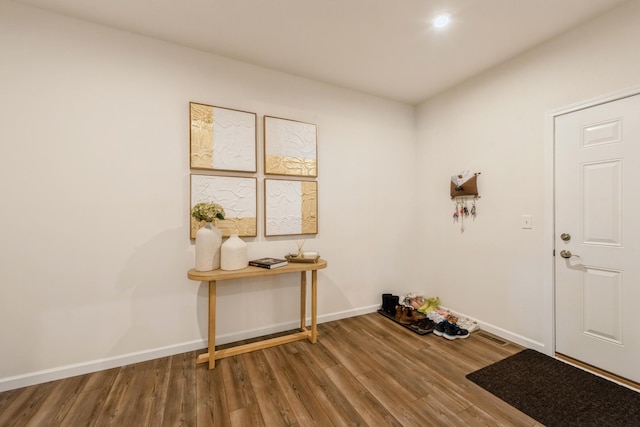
(94, 178)
(495, 123)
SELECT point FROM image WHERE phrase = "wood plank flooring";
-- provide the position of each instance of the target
(364, 371)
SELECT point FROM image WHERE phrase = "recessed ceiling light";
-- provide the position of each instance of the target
(441, 20)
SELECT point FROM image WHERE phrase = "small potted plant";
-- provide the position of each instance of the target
(207, 211)
(208, 237)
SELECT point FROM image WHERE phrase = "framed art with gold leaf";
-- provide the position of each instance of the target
(290, 147)
(290, 207)
(236, 195)
(222, 138)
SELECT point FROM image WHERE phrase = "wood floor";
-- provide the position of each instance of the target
(365, 370)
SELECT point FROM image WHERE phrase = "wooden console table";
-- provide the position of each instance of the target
(215, 276)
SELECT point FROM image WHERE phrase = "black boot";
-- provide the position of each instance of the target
(385, 302)
(391, 305)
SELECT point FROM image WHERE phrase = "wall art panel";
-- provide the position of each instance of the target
(290, 147)
(291, 207)
(222, 138)
(236, 195)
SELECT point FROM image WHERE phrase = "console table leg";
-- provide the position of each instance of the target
(303, 300)
(212, 324)
(314, 306)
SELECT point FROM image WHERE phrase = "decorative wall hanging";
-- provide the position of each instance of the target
(464, 192)
(290, 147)
(291, 207)
(464, 184)
(222, 138)
(237, 196)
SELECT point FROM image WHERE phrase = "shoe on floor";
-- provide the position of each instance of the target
(453, 331)
(424, 326)
(440, 328)
(399, 311)
(468, 324)
(410, 315)
(436, 317)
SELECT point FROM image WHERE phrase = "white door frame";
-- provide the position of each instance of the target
(549, 211)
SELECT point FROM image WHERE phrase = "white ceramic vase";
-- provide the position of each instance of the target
(208, 243)
(234, 254)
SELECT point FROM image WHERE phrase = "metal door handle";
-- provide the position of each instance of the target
(566, 254)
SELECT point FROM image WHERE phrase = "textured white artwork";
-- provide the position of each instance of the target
(283, 207)
(290, 147)
(234, 136)
(222, 138)
(290, 207)
(236, 195)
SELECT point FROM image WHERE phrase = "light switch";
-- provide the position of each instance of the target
(526, 221)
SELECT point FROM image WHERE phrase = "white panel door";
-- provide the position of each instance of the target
(597, 241)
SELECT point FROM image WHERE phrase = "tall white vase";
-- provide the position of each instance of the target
(234, 254)
(208, 243)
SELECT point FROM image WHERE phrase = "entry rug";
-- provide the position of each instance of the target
(557, 394)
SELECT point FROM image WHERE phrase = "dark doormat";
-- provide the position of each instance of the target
(558, 394)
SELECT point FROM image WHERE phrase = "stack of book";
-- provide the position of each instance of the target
(268, 262)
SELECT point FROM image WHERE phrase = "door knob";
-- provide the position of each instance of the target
(565, 237)
(566, 254)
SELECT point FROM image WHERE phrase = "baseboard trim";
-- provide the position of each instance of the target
(513, 337)
(272, 329)
(505, 334)
(68, 371)
(39, 377)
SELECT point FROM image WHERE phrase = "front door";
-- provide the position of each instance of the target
(597, 236)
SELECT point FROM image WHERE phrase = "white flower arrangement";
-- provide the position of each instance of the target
(207, 211)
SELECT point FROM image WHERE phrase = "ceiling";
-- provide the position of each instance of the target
(382, 47)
